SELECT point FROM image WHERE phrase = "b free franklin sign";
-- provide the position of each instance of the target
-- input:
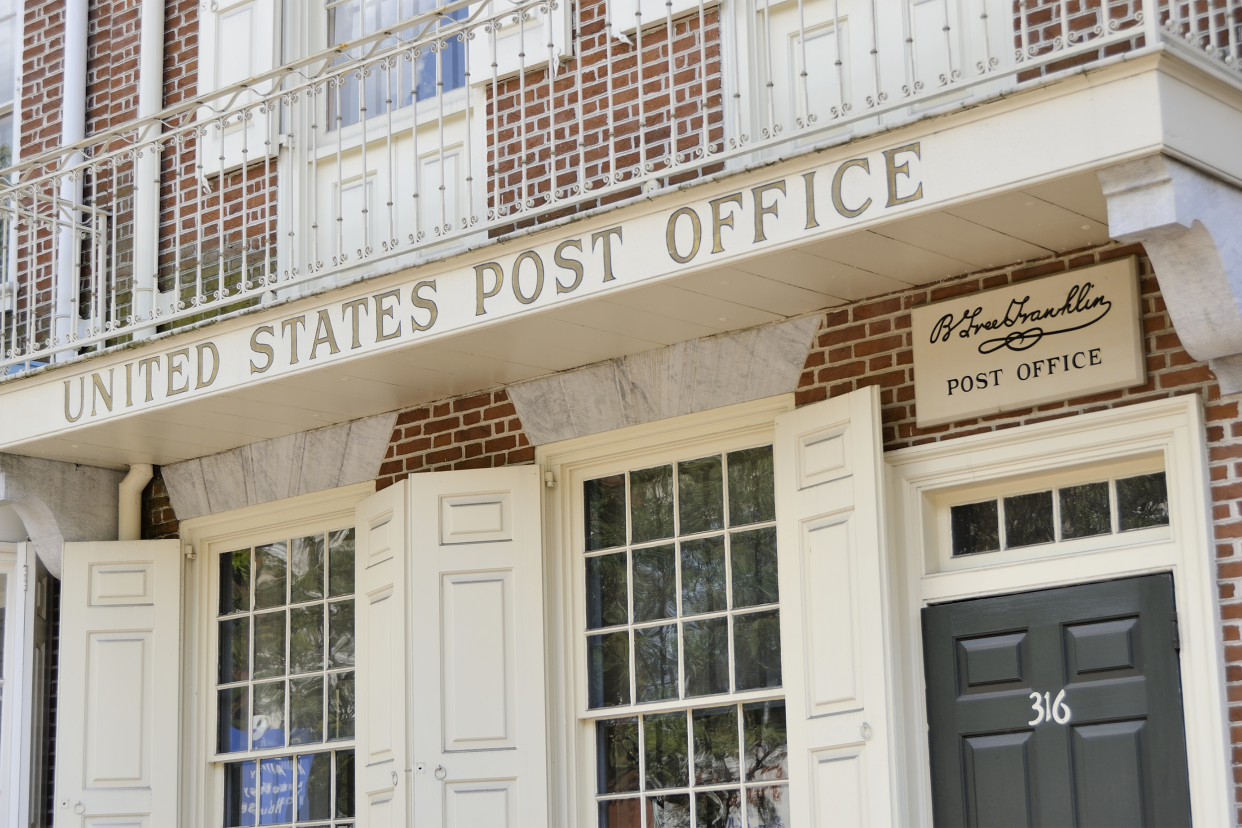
(1048, 339)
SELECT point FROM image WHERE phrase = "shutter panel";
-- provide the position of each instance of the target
(18, 617)
(517, 47)
(477, 604)
(830, 513)
(238, 41)
(117, 751)
(381, 621)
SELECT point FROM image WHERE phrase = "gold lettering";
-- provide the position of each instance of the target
(261, 348)
(324, 335)
(761, 210)
(811, 220)
(837, 201)
(98, 390)
(568, 264)
(129, 384)
(290, 326)
(428, 305)
(517, 277)
(481, 294)
(696, 234)
(174, 370)
(145, 364)
(719, 221)
(893, 170)
(81, 399)
(382, 313)
(215, 364)
(353, 307)
(606, 235)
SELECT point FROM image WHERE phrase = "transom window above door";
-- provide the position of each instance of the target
(681, 618)
(285, 681)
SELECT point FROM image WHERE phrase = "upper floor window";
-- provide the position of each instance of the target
(285, 682)
(436, 70)
(683, 628)
(8, 45)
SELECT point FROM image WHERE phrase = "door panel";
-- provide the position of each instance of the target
(1114, 752)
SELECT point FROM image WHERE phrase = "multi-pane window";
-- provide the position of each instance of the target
(285, 679)
(440, 70)
(681, 602)
(1119, 504)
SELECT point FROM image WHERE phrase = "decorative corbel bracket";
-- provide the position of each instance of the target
(1190, 224)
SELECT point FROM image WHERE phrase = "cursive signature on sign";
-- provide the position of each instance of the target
(1080, 308)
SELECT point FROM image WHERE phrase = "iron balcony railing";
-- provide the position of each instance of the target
(449, 127)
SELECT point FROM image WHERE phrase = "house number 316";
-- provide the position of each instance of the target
(1046, 709)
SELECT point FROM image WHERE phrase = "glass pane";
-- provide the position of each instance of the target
(269, 644)
(275, 791)
(715, 745)
(239, 791)
(767, 807)
(669, 811)
(340, 634)
(1028, 520)
(976, 528)
(306, 569)
(757, 649)
(340, 705)
(1084, 511)
(315, 786)
(269, 575)
(232, 719)
(341, 562)
(651, 504)
(655, 583)
(718, 809)
(707, 656)
(667, 750)
(606, 597)
(345, 783)
(703, 576)
(608, 669)
(753, 558)
(306, 639)
(268, 725)
(235, 581)
(767, 741)
(700, 494)
(620, 813)
(605, 512)
(752, 492)
(234, 650)
(616, 753)
(655, 662)
(306, 710)
(1142, 501)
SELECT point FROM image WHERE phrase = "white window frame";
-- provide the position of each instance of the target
(571, 762)
(202, 539)
(921, 482)
(14, 681)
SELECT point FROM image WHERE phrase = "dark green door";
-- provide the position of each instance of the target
(1110, 752)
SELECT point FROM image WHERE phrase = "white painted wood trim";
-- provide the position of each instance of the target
(1173, 429)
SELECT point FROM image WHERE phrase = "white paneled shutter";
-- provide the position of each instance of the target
(238, 40)
(463, 585)
(834, 632)
(381, 620)
(117, 753)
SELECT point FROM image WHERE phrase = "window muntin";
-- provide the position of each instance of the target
(440, 71)
(285, 677)
(681, 600)
(1082, 510)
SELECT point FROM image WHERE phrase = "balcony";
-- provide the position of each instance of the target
(459, 126)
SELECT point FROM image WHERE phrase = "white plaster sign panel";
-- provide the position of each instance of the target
(1054, 338)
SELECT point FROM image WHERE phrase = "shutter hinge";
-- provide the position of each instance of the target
(1177, 636)
(549, 480)
(190, 554)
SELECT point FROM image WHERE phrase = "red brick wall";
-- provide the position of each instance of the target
(520, 164)
(480, 431)
(158, 520)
